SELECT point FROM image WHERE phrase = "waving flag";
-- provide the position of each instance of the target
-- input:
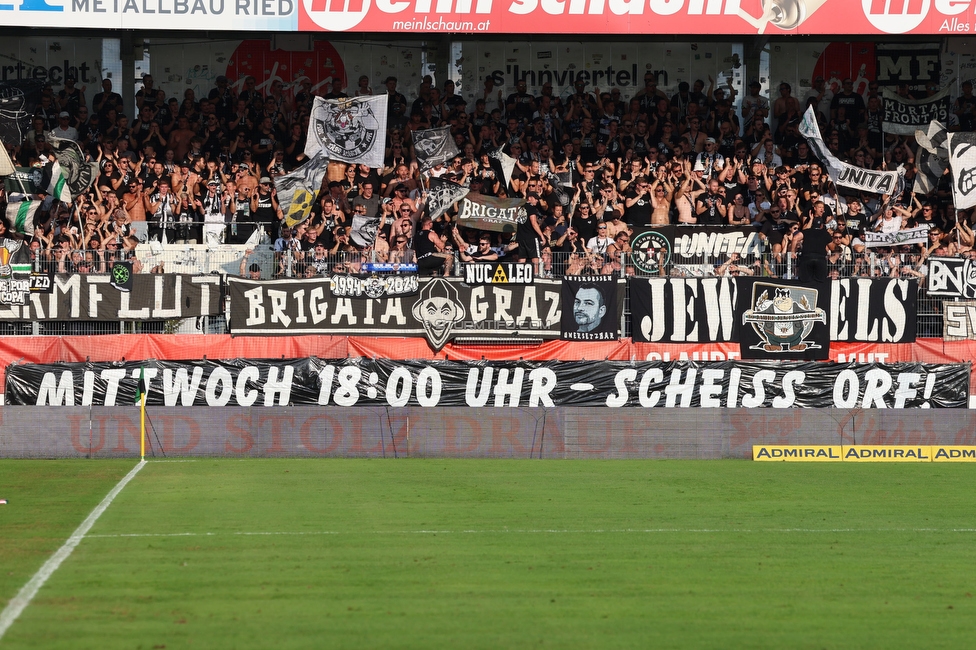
(434, 147)
(297, 189)
(56, 184)
(352, 129)
(20, 216)
(962, 160)
(932, 157)
(442, 195)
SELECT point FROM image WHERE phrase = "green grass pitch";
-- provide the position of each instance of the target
(493, 554)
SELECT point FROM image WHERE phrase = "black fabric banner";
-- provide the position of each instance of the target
(91, 297)
(384, 382)
(490, 213)
(704, 310)
(442, 309)
(596, 311)
(691, 245)
(782, 320)
(951, 276)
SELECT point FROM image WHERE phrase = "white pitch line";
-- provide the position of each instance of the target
(23, 598)
(552, 532)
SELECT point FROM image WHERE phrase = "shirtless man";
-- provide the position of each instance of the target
(662, 195)
(179, 138)
(135, 201)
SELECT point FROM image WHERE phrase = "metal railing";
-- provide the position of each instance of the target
(226, 259)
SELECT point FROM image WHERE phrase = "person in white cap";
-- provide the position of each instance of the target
(64, 130)
(710, 160)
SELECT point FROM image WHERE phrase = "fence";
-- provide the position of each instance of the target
(227, 259)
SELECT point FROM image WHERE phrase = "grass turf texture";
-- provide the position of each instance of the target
(743, 554)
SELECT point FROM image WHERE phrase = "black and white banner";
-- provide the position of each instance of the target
(782, 320)
(904, 116)
(385, 382)
(953, 277)
(689, 245)
(442, 195)
(78, 174)
(597, 306)
(932, 157)
(373, 286)
(959, 320)
(490, 213)
(441, 310)
(843, 174)
(434, 147)
(90, 297)
(962, 160)
(704, 310)
(352, 129)
(917, 235)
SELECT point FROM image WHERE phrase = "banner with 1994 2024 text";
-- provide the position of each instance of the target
(497, 384)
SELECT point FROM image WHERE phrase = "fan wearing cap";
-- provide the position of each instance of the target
(710, 161)
(64, 130)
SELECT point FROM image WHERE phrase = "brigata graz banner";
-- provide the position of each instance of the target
(699, 310)
(384, 382)
(91, 297)
(442, 309)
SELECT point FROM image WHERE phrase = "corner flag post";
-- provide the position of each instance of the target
(141, 399)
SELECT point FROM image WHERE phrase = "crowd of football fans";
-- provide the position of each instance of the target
(592, 165)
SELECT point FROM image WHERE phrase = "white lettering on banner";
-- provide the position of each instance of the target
(508, 386)
(888, 325)
(717, 243)
(718, 317)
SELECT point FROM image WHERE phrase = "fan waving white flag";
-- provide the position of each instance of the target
(962, 160)
(351, 129)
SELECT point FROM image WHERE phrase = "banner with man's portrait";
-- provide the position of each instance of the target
(592, 307)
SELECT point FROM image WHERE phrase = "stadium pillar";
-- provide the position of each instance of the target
(126, 85)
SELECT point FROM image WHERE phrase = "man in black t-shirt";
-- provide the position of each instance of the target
(710, 205)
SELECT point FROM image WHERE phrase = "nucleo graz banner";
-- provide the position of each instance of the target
(746, 17)
(385, 382)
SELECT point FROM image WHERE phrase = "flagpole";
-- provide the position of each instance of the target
(142, 427)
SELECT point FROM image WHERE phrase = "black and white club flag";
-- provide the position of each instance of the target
(443, 194)
(843, 174)
(932, 158)
(364, 229)
(904, 116)
(505, 163)
(560, 182)
(962, 160)
(351, 129)
(434, 147)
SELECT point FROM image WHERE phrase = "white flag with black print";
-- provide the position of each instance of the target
(352, 129)
(364, 230)
(434, 147)
(932, 158)
(843, 174)
(442, 195)
(962, 160)
(506, 164)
